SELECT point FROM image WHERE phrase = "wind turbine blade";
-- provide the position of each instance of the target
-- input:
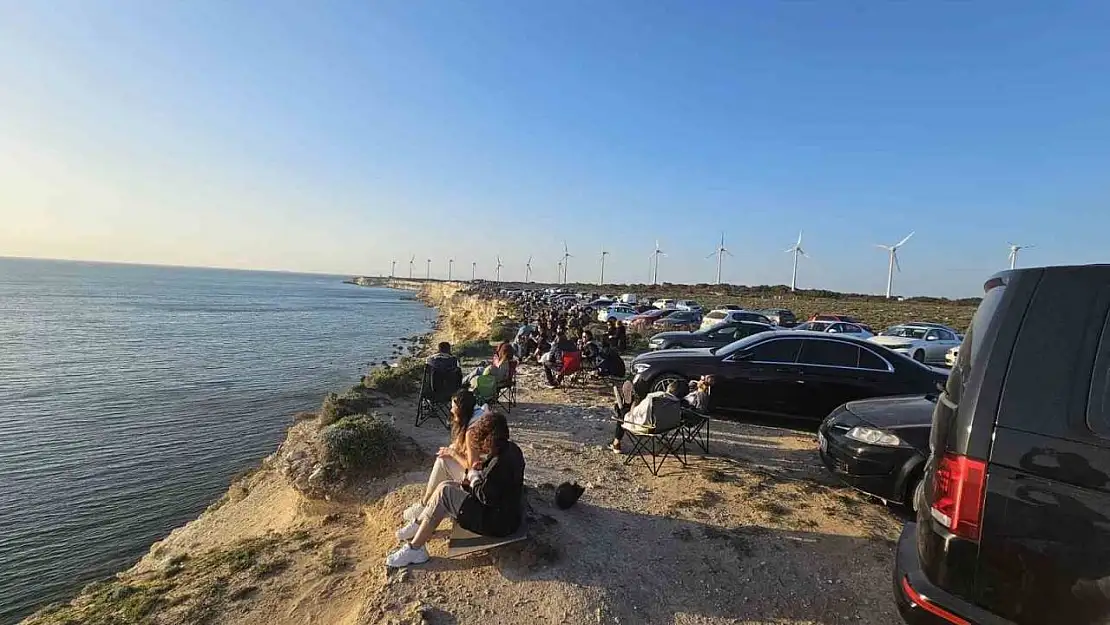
(789, 250)
(882, 247)
(727, 252)
(802, 252)
(711, 255)
(799, 239)
(896, 263)
(529, 260)
(903, 241)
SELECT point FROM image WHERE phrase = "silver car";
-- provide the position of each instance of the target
(927, 343)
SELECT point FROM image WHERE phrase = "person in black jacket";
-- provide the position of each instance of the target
(489, 502)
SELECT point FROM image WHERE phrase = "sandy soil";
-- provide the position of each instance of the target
(755, 532)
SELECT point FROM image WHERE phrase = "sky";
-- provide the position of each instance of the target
(338, 136)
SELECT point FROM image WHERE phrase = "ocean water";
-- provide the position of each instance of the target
(131, 395)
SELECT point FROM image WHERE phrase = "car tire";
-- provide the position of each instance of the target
(919, 356)
(661, 382)
(916, 493)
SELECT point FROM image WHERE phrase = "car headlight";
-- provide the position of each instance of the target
(871, 436)
(640, 367)
(655, 342)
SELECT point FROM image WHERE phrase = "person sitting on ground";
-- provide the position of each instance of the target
(617, 334)
(452, 460)
(698, 398)
(489, 502)
(610, 363)
(553, 370)
(638, 414)
(528, 347)
(543, 346)
(443, 360)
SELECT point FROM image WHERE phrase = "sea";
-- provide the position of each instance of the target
(130, 396)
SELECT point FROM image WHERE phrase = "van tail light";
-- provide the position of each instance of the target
(958, 489)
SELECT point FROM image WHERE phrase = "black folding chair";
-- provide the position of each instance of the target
(695, 424)
(661, 436)
(506, 390)
(436, 388)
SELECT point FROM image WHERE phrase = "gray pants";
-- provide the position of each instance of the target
(446, 502)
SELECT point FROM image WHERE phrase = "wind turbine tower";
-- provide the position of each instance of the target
(450, 268)
(797, 251)
(559, 274)
(428, 270)
(392, 268)
(473, 271)
(497, 271)
(655, 263)
(528, 270)
(603, 255)
(412, 263)
(1014, 249)
(566, 255)
(720, 254)
(893, 250)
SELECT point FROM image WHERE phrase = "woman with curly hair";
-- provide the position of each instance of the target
(489, 502)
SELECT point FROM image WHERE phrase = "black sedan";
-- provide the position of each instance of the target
(879, 446)
(714, 336)
(788, 373)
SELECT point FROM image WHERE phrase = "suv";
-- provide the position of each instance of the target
(782, 317)
(1013, 522)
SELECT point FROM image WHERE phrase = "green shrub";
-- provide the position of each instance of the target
(502, 329)
(474, 349)
(394, 381)
(360, 442)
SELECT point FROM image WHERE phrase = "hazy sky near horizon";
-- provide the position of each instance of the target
(336, 136)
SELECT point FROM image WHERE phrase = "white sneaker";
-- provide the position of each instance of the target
(413, 512)
(406, 555)
(408, 532)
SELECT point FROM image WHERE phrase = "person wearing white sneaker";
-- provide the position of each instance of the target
(451, 461)
(489, 503)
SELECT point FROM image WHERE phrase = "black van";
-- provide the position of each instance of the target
(1015, 522)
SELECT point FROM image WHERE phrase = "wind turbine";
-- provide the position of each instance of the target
(428, 270)
(566, 255)
(796, 250)
(392, 268)
(528, 270)
(450, 267)
(720, 254)
(603, 255)
(497, 272)
(655, 260)
(1014, 249)
(473, 270)
(893, 249)
(559, 275)
(412, 262)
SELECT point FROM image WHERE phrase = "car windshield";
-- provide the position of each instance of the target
(737, 346)
(906, 332)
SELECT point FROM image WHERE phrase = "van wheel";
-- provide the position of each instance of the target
(919, 356)
(662, 381)
(917, 495)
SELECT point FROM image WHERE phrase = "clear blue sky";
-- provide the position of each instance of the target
(335, 136)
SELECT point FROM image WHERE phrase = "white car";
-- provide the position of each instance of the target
(726, 314)
(621, 313)
(927, 343)
(835, 327)
(664, 304)
(689, 304)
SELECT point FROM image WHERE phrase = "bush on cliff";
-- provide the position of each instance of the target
(402, 379)
(360, 443)
(474, 349)
(356, 400)
(502, 329)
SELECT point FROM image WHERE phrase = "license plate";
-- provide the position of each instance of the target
(822, 444)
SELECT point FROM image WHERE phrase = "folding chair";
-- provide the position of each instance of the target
(436, 388)
(572, 371)
(661, 436)
(695, 426)
(506, 390)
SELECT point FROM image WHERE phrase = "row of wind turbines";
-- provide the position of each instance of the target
(653, 263)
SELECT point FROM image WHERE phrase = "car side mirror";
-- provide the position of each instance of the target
(931, 337)
(833, 331)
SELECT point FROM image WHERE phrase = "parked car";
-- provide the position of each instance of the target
(789, 373)
(834, 327)
(678, 320)
(844, 318)
(629, 298)
(923, 343)
(620, 313)
(648, 318)
(716, 336)
(665, 304)
(782, 317)
(879, 446)
(689, 304)
(721, 315)
(1014, 522)
(951, 356)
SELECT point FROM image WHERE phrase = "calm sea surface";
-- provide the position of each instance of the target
(130, 395)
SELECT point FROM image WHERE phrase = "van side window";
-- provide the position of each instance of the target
(1098, 403)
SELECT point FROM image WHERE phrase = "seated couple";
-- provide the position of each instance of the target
(477, 480)
(697, 399)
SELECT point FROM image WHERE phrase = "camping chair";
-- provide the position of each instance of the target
(506, 389)
(436, 388)
(484, 387)
(572, 371)
(695, 424)
(660, 436)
